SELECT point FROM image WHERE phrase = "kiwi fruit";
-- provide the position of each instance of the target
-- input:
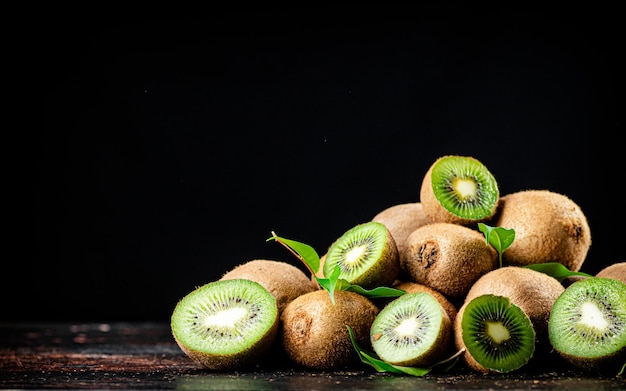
(497, 335)
(460, 190)
(615, 270)
(226, 325)
(366, 254)
(587, 324)
(412, 330)
(314, 332)
(401, 220)
(283, 280)
(533, 291)
(549, 227)
(448, 258)
(414, 287)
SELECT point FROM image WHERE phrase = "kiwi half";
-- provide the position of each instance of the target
(549, 227)
(497, 335)
(448, 258)
(314, 331)
(366, 254)
(226, 325)
(587, 325)
(533, 291)
(412, 330)
(460, 190)
(283, 280)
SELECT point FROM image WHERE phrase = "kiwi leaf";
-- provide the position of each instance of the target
(379, 365)
(500, 238)
(332, 283)
(556, 270)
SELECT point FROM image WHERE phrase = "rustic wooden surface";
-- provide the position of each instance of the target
(144, 356)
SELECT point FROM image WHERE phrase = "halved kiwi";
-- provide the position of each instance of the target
(314, 331)
(549, 227)
(587, 325)
(283, 280)
(412, 330)
(533, 291)
(226, 325)
(366, 254)
(497, 335)
(460, 190)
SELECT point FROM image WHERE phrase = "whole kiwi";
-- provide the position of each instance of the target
(314, 331)
(447, 257)
(460, 190)
(549, 227)
(533, 291)
(401, 220)
(616, 271)
(283, 280)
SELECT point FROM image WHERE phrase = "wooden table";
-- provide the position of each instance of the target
(144, 356)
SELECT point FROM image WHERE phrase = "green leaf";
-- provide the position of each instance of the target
(330, 283)
(304, 252)
(376, 292)
(556, 270)
(379, 365)
(500, 238)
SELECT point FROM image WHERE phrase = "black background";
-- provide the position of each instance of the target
(171, 145)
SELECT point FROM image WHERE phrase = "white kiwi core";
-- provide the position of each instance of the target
(407, 327)
(226, 318)
(465, 188)
(353, 256)
(498, 332)
(591, 316)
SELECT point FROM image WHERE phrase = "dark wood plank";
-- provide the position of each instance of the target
(144, 356)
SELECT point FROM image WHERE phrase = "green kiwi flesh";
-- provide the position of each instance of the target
(366, 254)
(459, 189)
(497, 334)
(226, 325)
(587, 324)
(412, 330)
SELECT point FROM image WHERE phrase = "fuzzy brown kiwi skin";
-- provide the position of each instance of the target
(283, 280)
(549, 227)
(448, 258)
(533, 291)
(433, 209)
(616, 271)
(314, 333)
(401, 220)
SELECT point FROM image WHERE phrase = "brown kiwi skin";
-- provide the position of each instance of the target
(448, 258)
(549, 227)
(314, 331)
(616, 271)
(532, 291)
(283, 280)
(435, 212)
(401, 220)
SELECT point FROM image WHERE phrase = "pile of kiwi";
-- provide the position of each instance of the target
(456, 294)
